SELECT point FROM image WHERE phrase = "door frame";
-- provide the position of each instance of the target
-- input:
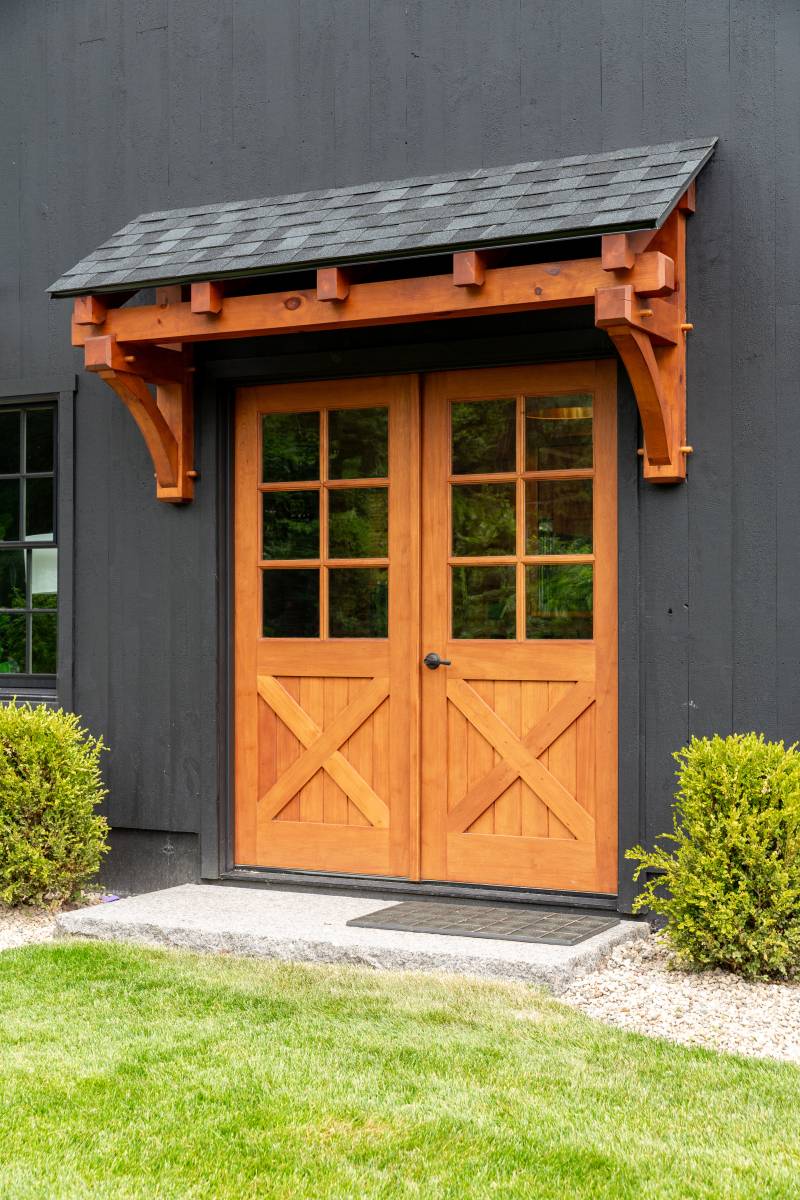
(522, 341)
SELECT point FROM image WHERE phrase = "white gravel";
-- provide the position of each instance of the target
(19, 926)
(638, 989)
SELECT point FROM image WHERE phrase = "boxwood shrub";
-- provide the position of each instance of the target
(51, 838)
(728, 880)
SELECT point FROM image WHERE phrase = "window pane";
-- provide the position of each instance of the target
(44, 578)
(291, 524)
(358, 602)
(558, 432)
(289, 447)
(9, 442)
(291, 603)
(12, 579)
(9, 510)
(358, 523)
(43, 643)
(39, 508)
(484, 602)
(558, 516)
(559, 601)
(39, 439)
(12, 644)
(359, 443)
(484, 518)
(484, 436)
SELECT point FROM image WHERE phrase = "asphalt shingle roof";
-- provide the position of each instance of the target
(586, 194)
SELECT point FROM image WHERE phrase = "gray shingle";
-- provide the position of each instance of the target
(533, 201)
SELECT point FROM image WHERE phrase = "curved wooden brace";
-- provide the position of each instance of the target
(164, 415)
(636, 351)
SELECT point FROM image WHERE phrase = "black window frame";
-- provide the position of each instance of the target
(59, 395)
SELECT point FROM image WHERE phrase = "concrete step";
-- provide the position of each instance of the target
(312, 927)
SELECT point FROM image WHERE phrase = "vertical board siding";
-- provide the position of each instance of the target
(111, 108)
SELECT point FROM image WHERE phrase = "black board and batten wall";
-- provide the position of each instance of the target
(110, 109)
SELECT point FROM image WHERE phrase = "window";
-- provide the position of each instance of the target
(28, 541)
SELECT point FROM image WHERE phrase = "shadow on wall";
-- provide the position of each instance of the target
(145, 860)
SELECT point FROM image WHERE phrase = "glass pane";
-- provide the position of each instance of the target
(291, 603)
(358, 522)
(43, 643)
(291, 524)
(484, 436)
(44, 578)
(484, 519)
(558, 432)
(484, 602)
(12, 579)
(12, 644)
(358, 602)
(359, 443)
(289, 447)
(9, 510)
(559, 601)
(558, 516)
(39, 439)
(9, 442)
(39, 508)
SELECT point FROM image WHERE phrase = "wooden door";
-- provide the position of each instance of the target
(326, 626)
(519, 593)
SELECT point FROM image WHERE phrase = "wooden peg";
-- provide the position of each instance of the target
(469, 268)
(687, 449)
(645, 312)
(332, 284)
(687, 326)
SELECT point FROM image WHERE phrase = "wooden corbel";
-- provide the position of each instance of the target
(650, 336)
(164, 411)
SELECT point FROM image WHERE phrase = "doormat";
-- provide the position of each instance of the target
(501, 922)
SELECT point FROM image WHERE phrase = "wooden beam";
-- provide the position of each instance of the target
(89, 310)
(207, 297)
(688, 200)
(619, 250)
(394, 301)
(169, 294)
(469, 268)
(332, 284)
(652, 316)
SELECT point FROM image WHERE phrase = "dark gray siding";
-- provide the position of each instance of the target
(109, 108)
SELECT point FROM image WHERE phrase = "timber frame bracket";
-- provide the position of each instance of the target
(648, 328)
(154, 383)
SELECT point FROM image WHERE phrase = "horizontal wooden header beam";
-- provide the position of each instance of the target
(431, 297)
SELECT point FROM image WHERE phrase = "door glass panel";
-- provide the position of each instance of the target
(483, 436)
(484, 519)
(558, 516)
(558, 432)
(291, 603)
(358, 602)
(289, 447)
(358, 443)
(291, 524)
(12, 644)
(44, 578)
(39, 439)
(484, 602)
(559, 601)
(9, 510)
(39, 508)
(9, 443)
(358, 522)
(43, 643)
(12, 579)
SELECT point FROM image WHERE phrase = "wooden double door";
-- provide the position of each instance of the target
(425, 627)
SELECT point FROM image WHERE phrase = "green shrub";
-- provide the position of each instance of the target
(730, 888)
(51, 839)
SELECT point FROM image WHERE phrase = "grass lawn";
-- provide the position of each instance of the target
(128, 1074)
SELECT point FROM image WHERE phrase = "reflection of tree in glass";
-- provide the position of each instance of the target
(484, 602)
(290, 447)
(43, 643)
(484, 436)
(291, 524)
(358, 602)
(484, 519)
(9, 510)
(359, 443)
(12, 643)
(358, 523)
(559, 601)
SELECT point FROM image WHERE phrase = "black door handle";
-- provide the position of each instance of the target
(433, 662)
